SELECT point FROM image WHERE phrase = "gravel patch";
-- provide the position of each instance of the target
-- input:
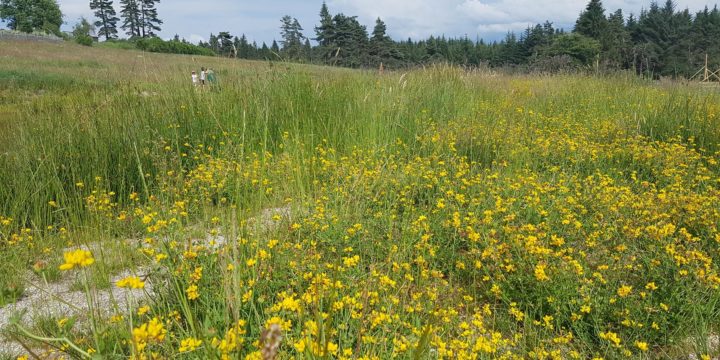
(56, 300)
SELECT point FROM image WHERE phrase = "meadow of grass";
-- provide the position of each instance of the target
(436, 213)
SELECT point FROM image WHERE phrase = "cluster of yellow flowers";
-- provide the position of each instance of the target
(132, 282)
(77, 258)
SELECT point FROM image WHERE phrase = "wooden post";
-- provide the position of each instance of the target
(707, 77)
(381, 69)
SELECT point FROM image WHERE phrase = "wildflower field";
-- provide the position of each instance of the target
(301, 212)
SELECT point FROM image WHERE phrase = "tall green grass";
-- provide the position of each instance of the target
(73, 118)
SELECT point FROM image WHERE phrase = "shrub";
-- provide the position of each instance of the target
(84, 40)
(171, 47)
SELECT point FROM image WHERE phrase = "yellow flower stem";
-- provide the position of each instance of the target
(185, 306)
(91, 308)
(52, 340)
(130, 320)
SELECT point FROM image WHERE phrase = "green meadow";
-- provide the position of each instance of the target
(299, 211)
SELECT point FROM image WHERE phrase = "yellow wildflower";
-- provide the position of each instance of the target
(624, 291)
(130, 282)
(192, 292)
(189, 344)
(80, 258)
(643, 346)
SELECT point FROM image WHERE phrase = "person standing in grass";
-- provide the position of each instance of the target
(203, 76)
(194, 77)
(211, 77)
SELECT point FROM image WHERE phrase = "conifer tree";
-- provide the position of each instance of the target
(149, 21)
(107, 20)
(130, 12)
(264, 52)
(324, 31)
(225, 43)
(382, 49)
(592, 22)
(292, 37)
(616, 41)
(350, 41)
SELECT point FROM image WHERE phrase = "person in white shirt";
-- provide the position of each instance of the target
(203, 75)
(194, 78)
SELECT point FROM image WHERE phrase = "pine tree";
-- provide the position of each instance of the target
(350, 42)
(324, 31)
(107, 19)
(662, 41)
(592, 22)
(130, 12)
(264, 52)
(292, 37)
(149, 21)
(325, 35)
(382, 49)
(509, 52)
(616, 41)
(225, 43)
(704, 34)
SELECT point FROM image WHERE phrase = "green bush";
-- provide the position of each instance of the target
(171, 47)
(84, 40)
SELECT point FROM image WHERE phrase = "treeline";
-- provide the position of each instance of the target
(660, 41)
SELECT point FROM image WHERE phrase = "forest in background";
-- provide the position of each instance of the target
(662, 40)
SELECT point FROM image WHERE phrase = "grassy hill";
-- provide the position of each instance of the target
(435, 213)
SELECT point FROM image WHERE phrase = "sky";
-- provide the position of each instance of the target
(259, 20)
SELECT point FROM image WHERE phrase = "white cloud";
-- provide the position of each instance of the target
(489, 18)
(482, 12)
(503, 28)
(195, 38)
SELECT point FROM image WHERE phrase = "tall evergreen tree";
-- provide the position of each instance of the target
(349, 41)
(662, 40)
(292, 37)
(107, 20)
(324, 33)
(131, 16)
(592, 22)
(704, 34)
(149, 21)
(225, 43)
(381, 49)
(616, 41)
(264, 52)
(510, 51)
